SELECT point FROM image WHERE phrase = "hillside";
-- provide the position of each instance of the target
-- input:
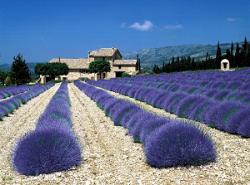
(152, 56)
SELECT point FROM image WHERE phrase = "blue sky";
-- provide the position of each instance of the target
(43, 29)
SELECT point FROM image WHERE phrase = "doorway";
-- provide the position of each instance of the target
(118, 74)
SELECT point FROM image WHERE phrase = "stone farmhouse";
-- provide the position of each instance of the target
(78, 68)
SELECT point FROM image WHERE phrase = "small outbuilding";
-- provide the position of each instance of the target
(225, 65)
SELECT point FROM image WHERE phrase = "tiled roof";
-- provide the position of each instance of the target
(103, 52)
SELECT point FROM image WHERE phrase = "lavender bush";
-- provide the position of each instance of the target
(193, 95)
(244, 128)
(52, 146)
(13, 90)
(167, 143)
(177, 144)
(7, 106)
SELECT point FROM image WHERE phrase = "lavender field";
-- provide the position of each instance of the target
(179, 128)
(220, 100)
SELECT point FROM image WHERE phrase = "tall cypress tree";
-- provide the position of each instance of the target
(232, 49)
(237, 56)
(228, 55)
(207, 57)
(245, 53)
(232, 60)
(245, 45)
(218, 56)
(156, 69)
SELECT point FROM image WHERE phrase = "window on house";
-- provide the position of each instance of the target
(120, 67)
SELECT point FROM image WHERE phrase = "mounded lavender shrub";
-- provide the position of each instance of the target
(46, 151)
(161, 100)
(109, 104)
(101, 98)
(52, 146)
(157, 99)
(136, 128)
(166, 143)
(199, 112)
(123, 112)
(52, 123)
(13, 90)
(171, 105)
(221, 95)
(131, 92)
(104, 101)
(244, 128)
(138, 117)
(177, 144)
(241, 96)
(187, 105)
(6, 107)
(113, 106)
(220, 115)
(234, 85)
(131, 120)
(236, 120)
(129, 114)
(2, 112)
(150, 126)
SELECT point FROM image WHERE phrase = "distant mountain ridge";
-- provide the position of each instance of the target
(152, 56)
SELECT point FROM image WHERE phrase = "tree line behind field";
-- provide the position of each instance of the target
(20, 73)
(239, 56)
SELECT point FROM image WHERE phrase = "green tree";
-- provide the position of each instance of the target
(245, 53)
(228, 55)
(232, 59)
(232, 49)
(52, 69)
(20, 71)
(237, 56)
(3, 76)
(245, 45)
(99, 66)
(218, 56)
(138, 66)
(156, 69)
(124, 74)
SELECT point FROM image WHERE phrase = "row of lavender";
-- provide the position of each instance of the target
(219, 90)
(229, 116)
(52, 146)
(242, 97)
(9, 105)
(234, 80)
(13, 90)
(166, 142)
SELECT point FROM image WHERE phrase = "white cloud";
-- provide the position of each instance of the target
(231, 19)
(174, 27)
(146, 26)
